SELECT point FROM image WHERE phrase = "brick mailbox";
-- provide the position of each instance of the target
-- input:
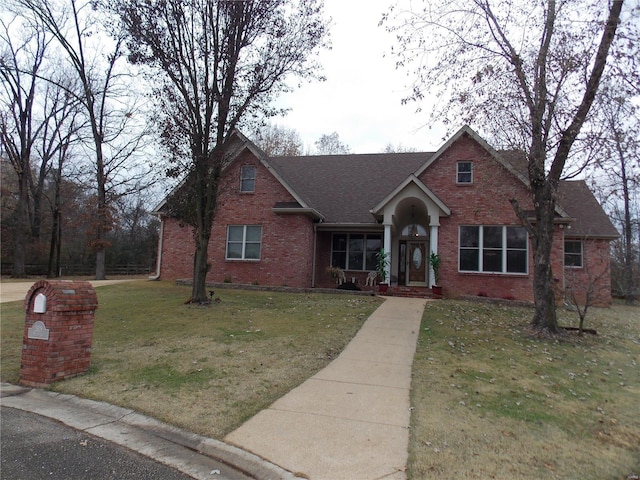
(58, 331)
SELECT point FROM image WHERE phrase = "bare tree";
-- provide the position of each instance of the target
(618, 149)
(20, 65)
(331, 145)
(588, 286)
(400, 148)
(57, 138)
(216, 63)
(527, 72)
(276, 140)
(105, 91)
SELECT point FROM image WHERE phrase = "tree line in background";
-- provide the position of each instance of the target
(90, 89)
(59, 238)
(75, 164)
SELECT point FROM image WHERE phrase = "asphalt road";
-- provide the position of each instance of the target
(34, 447)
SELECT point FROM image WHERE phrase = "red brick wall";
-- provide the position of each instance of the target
(69, 319)
(595, 274)
(484, 202)
(287, 240)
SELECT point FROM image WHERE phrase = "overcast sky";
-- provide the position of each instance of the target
(361, 98)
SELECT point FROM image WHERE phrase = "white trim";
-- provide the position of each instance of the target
(411, 179)
(564, 253)
(311, 212)
(243, 258)
(386, 244)
(433, 248)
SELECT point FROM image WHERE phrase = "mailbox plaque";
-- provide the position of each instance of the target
(39, 331)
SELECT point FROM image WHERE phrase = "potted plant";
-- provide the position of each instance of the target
(382, 262)
(434, 261)
(335, 273)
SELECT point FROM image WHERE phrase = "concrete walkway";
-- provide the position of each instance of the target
(351, 420)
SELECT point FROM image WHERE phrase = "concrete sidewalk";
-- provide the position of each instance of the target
(351, 420)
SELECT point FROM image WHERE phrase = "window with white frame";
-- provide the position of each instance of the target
(355, 251)
(247, 178)
(493, 249)
(464, 172)
(573, 253)
(244, 242)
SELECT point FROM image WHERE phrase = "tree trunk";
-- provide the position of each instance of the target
(629, 284)
(208, 170)
(545, 316)
(21, 231)
(53, 266)
(200, 268)
(101, 274)
(103, 220)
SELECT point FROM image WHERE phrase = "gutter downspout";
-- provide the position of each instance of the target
(313, 262)
(156, 276)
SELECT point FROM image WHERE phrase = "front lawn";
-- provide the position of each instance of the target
(491, 401)
(205, 369)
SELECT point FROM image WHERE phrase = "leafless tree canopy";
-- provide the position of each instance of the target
(527, 74)
(216, 64)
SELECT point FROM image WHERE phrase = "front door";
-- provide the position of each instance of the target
(417, 260)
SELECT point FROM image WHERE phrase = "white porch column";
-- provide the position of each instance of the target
(387, 248)
(433, 247)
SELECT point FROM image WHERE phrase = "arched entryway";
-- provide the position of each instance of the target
(411, 217)
(413, 244)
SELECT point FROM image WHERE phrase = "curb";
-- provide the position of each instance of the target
(190, 453)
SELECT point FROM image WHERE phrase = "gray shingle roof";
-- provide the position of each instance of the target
(344, 188)
(577, 200)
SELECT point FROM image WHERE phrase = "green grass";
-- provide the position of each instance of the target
(492, 401)
(489, 400)
(206, 369)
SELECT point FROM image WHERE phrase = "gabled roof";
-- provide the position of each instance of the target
(466, 130)
(235, 145)
(412, 179)
(344, 188)
(347, 189)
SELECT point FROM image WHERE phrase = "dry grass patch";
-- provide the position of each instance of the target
(491, 401)
(206, 369)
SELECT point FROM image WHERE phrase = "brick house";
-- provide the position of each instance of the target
(282, 221)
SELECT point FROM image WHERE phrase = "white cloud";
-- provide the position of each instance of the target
(361, 99)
